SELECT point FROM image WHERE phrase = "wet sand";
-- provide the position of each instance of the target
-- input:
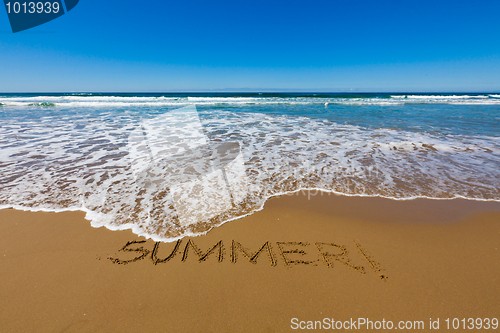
(328, 257)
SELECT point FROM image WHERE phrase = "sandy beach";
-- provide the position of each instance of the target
(296, 262)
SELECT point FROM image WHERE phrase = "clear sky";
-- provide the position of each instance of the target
(163, 45)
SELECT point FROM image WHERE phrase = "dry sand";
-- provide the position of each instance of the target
(361, 258)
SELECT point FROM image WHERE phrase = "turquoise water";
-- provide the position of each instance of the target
(83, 152)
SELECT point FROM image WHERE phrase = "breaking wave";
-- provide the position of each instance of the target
(168, 173)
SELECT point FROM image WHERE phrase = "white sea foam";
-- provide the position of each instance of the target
(122, 168)
(127, 101)
(440, 96)
(447, 99)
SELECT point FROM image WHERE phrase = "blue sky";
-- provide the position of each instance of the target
(163, 45)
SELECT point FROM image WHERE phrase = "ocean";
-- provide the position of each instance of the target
(177, 164)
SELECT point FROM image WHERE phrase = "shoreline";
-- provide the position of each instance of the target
(471, 205)
(335, 257)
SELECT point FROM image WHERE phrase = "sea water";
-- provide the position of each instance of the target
(171, 165)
